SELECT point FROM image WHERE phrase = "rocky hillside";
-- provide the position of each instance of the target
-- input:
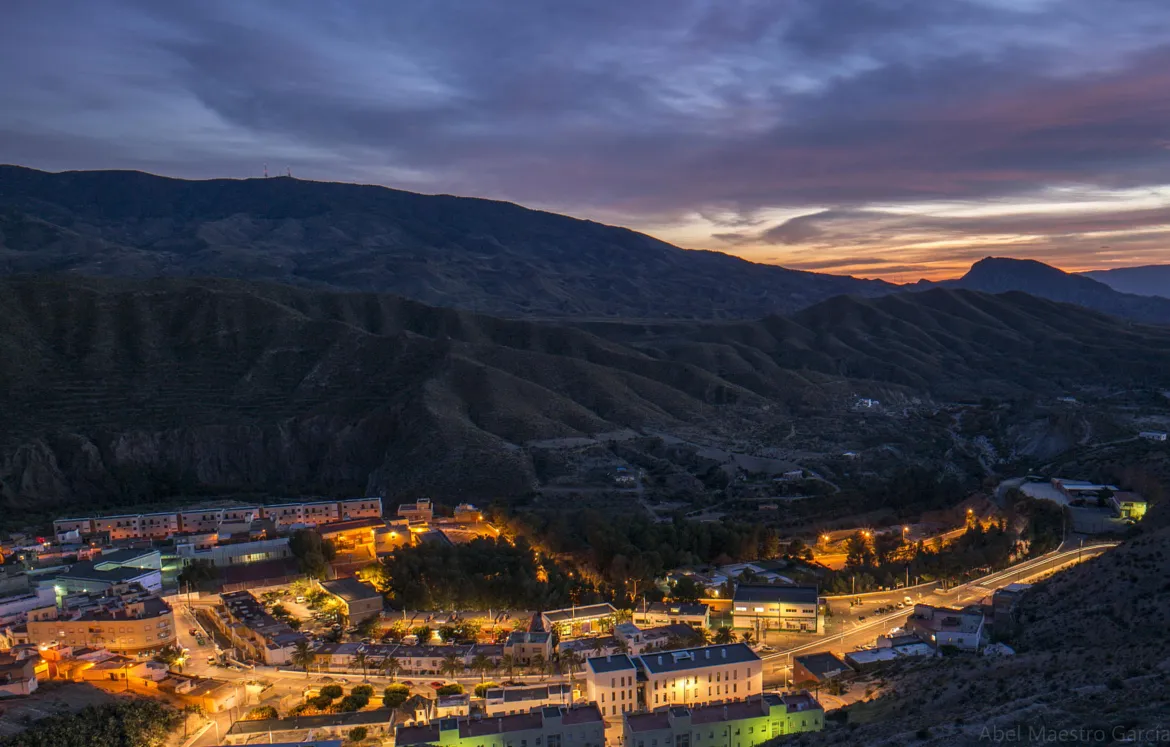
(118, 391)
(491, 257)
(1094, 655)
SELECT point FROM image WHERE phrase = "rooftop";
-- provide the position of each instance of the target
(122, 557)
(672, 608)
(350, 589)
(355, 718)
(945, 619)
(697, 658)
(337, 527)
(786, 594)
(471, 728)
(521, 636)
(616, 663)
(87, 571)
(822, 664)
(589, 612)
(527, 694)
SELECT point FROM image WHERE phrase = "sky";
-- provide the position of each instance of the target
(881, 138)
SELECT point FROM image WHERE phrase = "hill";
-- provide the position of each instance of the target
(117, 392)
(492, 257)
(1151, 280)
(1001, 275)
(1092, 656)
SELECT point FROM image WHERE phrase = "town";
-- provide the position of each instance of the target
(272, 623)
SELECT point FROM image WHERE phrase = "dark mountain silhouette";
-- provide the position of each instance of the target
(1151, 280)
(120, 391)
(492, 257)
(1001, 274)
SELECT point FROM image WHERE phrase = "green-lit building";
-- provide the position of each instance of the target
(744, 723)
(550, 726)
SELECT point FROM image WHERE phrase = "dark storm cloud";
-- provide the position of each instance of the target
(649, 110)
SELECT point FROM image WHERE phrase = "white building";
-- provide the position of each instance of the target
(943, 626)
(612, 683)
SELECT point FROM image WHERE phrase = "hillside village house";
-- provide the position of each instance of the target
(785, 608)
(741, 724)
(943, 626)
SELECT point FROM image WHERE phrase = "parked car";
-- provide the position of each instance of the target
(861, 618)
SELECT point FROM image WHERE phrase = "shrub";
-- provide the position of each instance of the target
(320, 702)
(358, 733)
(452, 689)
(260, 713)
(331, 691)
(482, 688)
(365, 691)
(395, 695)
(353, 703)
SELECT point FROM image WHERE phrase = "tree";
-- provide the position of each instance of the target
(391, 666)
(365, 691)
(598, 645)
(857, 552)
(508, 662)
(539, 665)
(423, 633)
(197, 573)
(395, 695)
(481, 665)
(482, 688)
(331, 691)
(686, 590)
(261, 713)
(724, 636)
(452, 665)
(303, 656)
(352, 702)
(170, 655)
(359, 660)
(358, 733)
(748, 638)
(312, 553)
(451, 688)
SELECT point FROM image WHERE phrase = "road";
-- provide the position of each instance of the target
(846, 631)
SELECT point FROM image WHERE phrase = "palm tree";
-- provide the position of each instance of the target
(481, 664)
(724, 636)
(748, 638)
(539, 664)
(303, 656)
(508, 663)
(392, 666)
(359, 660)
(452, 664)
(572, 660)
(598, 644)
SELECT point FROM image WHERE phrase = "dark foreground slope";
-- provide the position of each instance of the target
(494, 257)
(1093, 659)
(119, 391)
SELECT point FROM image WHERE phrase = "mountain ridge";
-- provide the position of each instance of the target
(1147, 280)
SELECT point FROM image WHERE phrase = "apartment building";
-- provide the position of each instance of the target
(612, 683)
(552, 726)
(249, 627)
(505, 701)
(161, 525)
(761, 608)
(698, 676)
(126, 620)
(745, 723)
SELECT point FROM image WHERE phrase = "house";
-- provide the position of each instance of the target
(18, 675)
(579, 622)
(662, 613)
(465, 513)
(449, 706)
(421, 511)
(1128, 505)
(359, 601)
(761, 608)
(1153, 435)
(504, 701)
(817, 668)
(889, 648)
(943, 626)
(638, 641)
(524, 646)
(353, 534)
(744, 723)
(551, 726)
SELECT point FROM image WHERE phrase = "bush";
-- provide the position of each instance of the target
(353, 703)
(452, 689)
(260, 713)
(482, 688)
(395, 695)
(321, 702)
(358, 733)
(331, 691)
(366, 691)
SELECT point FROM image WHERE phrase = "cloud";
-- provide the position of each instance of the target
(647, 113)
